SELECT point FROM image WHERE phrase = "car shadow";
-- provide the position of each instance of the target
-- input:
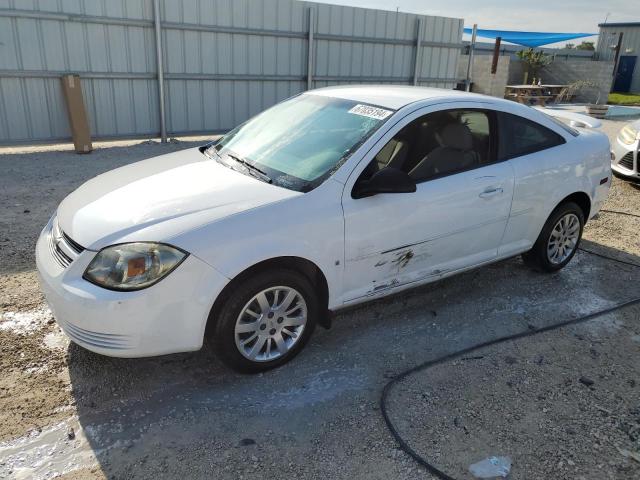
(151, 410)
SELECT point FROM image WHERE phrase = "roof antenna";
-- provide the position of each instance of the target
(607, 17)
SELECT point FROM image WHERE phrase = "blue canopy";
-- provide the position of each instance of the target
(528, 39)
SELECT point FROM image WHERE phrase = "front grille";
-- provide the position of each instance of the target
(63, 249)
(627, 161)
(58, 255)
(73, 245)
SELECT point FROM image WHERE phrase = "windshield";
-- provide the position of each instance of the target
(298, 143)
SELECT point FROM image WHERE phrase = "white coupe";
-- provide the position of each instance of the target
(331, 198)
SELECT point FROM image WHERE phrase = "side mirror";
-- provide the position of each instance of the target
(387, 180)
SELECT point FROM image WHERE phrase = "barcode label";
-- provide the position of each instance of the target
(371, 112)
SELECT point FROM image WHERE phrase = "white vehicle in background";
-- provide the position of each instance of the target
(625, 162)
(331, 198)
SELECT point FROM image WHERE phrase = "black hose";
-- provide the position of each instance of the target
(619, 212)
(404, 445)
(606, 257)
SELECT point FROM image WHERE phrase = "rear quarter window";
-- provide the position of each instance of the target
(519, 136)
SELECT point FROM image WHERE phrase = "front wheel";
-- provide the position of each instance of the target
(559, 239)
(266, 321)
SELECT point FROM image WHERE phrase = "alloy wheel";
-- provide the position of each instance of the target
(270, 324)
(563, 239)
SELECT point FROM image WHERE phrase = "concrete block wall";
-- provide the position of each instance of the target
(483, 80)
(565, 72)
(516, 73)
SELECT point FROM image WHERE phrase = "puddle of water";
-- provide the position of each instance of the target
(320, 387)
(586, 302)
(581, 302)
(323, 387)
(46, 454)
(622, 111)
(50, 453)
(25, 322)
(604, 325)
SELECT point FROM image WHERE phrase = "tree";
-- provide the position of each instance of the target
(533, 62)
(586, 46)
(570, 46)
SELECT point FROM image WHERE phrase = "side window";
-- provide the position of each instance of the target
(519, 136)
(439, 144)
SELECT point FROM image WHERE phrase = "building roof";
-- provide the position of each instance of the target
(620, 24)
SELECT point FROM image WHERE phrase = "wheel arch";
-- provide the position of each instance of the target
(581, 199)
(298, 264)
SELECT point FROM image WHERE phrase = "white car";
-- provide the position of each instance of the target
(331, 198)
(626, 161)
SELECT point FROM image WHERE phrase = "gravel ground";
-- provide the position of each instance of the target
(64, 410)
(563, 404)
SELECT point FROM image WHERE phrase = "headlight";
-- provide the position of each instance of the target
(133, 266)
(628, 135)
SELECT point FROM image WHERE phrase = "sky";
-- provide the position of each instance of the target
(559, 16)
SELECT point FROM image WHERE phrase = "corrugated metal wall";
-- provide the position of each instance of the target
(630, 42)
(224, 60)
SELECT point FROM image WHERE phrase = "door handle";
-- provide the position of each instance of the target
(491, 191)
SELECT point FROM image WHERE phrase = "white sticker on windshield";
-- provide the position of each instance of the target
(371, 112)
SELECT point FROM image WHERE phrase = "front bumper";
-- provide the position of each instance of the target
(168, 317)
(626, 161)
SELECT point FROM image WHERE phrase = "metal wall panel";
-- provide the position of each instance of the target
(224, 60)
(630, 46)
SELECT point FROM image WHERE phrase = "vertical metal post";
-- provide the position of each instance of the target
(156, 22)
(418, 57)
(310, 65)
(472, 47)
(616, 58)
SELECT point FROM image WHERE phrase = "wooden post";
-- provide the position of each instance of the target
(496, 56)
(78, 122)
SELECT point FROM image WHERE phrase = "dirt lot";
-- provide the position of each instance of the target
(66, 411)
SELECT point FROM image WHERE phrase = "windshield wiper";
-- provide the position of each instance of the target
(255, 171)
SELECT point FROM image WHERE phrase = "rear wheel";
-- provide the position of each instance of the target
(559, 239)
(266, 321)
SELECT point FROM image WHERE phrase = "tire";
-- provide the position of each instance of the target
(541, 256)
(247, 314)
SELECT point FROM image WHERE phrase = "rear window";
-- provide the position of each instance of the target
(520, 136)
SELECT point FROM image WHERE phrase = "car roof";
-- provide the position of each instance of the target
(396, 96)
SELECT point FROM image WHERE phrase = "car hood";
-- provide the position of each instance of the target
(158, 198)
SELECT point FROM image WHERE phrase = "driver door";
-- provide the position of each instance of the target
(456, 217)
